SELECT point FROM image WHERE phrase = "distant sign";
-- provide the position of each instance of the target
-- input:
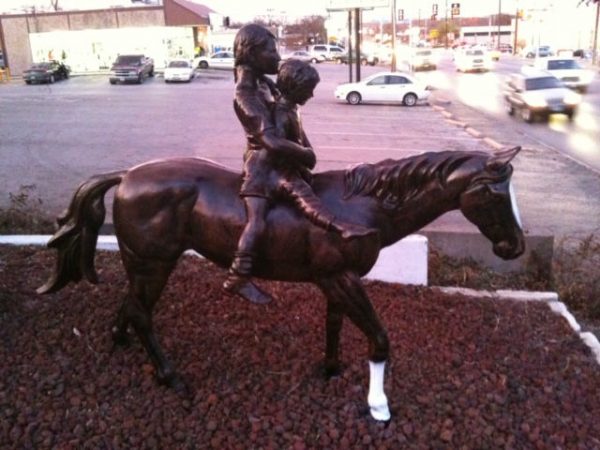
(340, 5)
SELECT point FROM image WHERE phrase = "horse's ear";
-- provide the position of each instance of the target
(502, 158)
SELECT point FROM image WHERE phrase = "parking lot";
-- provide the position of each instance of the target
(56, 135)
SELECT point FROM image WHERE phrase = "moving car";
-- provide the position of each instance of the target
(539, 95)
(179, 70)
(219, 60)
(420, 59)
(472, 60)
(384, 87)
(365, 59)
(134, 68)
(568, 71)
(46, 72)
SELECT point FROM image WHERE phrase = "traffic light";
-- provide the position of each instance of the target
(455, 9)
(226, 21)
(400, 14)
(434, 9)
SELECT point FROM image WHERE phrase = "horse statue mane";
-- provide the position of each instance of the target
(394, 182)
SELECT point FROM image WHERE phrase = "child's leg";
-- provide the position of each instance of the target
(305, 199)
(238, 280)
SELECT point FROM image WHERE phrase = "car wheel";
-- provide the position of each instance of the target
(140, 79)
(353, 98)
(570, 115)
(113, 82)
(27, 81)
(203, 65)
(527, 115)
(583, 89)
(409, 100)
(151, 74)
(510, 109)
(314, 60)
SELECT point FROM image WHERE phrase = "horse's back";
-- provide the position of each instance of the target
(159, 205)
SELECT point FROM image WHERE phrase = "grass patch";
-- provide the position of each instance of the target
(25, 214)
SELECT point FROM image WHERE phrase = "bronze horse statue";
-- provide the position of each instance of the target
(165, 207)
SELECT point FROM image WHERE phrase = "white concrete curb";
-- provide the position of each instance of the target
(550, 298)
(404, 262)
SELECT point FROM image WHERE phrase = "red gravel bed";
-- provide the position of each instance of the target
(464, 373)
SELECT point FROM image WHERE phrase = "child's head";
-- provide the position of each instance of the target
(297, 80)
(255, 46)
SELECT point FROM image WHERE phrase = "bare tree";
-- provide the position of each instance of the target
(54, 4)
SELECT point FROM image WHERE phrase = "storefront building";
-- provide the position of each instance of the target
(89, 41)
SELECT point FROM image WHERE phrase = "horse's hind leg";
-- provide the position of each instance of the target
(147, 279)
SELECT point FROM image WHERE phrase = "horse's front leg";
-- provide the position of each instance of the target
(346, 295)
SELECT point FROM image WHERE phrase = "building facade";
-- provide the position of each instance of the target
(89, 41)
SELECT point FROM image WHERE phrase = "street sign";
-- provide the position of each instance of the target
(400, 14)
(455, 9)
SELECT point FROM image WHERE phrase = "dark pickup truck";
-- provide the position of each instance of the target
(131, 68)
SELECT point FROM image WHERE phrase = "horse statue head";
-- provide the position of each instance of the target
(489, 203)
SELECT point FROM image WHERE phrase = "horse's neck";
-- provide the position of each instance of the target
(432, 201)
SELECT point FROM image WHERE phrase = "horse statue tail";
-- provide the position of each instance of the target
(78, 230)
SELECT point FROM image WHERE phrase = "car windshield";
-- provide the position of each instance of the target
(128, 60)
(41, 66)
(179, 64)
(533, 84)
(561, 64)
(475, 52)
(423, 53)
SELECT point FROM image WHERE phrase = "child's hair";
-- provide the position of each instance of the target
(294, 74)
(247, 39)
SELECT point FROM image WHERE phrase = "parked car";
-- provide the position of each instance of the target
(472, 60)
(134, 68)
(542, 51)
(506, 48)
(539, 94)
(179, 70)
(2, 63)
(568, 71)
(302, 56)
(219, 60)
(384, 87)
(325, 51)
(46, 72)
(420, 59)
(365, 59)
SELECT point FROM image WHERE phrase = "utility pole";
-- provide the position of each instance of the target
(393, 68)
(595, 43)
(516, 39)
(499, 14)
(446, 26)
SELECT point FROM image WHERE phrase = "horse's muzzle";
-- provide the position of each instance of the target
(509, 250)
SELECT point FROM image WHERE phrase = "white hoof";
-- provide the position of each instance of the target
(379, 408)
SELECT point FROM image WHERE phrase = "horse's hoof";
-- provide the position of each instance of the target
(329, 371)
(119, 338)
(247, 290)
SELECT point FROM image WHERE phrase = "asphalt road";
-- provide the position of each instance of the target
(53, 137)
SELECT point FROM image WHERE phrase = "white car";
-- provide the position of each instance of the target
(568, 71)
(473, 60)
(303, 56)
(384, 87)
(179, 70)
(219, 60)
